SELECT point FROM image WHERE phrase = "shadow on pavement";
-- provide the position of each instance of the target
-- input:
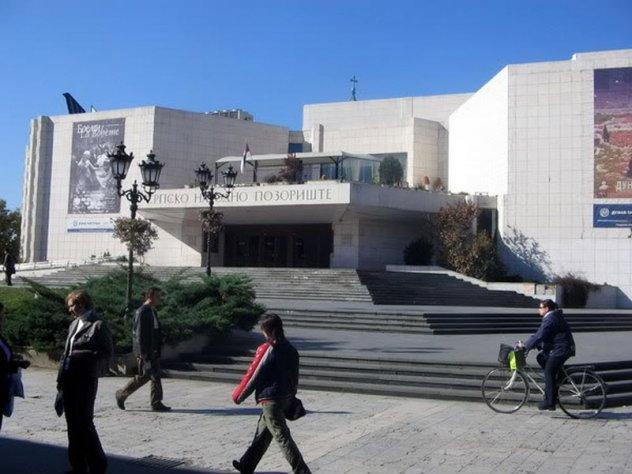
(609, 415)
(27, 457)
(208, 411)
(231, 411)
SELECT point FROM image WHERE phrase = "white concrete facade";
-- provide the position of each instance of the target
(414, 126)
(181, 140)
(527, 136)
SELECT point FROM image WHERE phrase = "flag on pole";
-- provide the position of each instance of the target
(245, 158)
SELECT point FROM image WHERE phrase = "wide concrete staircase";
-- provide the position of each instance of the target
(286, 283)
(385, 376)
(432, 289)
(345, 285)
(520, 322)
(446, 323)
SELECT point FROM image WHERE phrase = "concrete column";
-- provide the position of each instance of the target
(346, 243)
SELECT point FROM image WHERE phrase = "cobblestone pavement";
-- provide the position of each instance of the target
(342, 433)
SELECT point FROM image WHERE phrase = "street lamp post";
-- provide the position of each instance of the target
(150, 171)
(204, 179)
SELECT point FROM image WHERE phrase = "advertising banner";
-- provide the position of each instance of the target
(90, 224)
(612, 215)
(613, 133)
(92, 186)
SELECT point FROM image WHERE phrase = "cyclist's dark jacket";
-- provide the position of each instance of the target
(272, 375)
(554, 336)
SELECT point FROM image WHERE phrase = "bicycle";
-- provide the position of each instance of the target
(581, 392)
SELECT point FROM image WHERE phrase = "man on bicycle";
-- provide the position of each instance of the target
(555, 340)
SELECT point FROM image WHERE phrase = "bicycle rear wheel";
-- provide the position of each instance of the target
(505, 390)
(582, 394)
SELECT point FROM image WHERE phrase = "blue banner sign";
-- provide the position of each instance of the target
(612, 215)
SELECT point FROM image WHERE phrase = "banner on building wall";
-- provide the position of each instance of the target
(613, 133)
(612, 215)
(92, 186)
(90, 224)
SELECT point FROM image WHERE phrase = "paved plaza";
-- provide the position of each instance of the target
(342, 432)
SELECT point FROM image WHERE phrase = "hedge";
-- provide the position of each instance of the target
(36, 317)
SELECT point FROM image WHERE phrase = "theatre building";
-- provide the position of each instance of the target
(544, 148)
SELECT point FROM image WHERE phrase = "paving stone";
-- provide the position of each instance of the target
(342, 432)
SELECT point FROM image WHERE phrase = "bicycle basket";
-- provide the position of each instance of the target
(503, 354)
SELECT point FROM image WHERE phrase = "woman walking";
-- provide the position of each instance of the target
(273, 376)
(86, 357)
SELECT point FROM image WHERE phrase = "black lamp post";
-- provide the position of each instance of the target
(150, 172)
(204, 179)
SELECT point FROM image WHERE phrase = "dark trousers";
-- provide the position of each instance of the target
(272, 425)
(84, 447)
(551, 364)
(7, 278)
(146, 372)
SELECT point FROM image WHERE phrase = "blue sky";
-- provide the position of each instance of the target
(270, 57)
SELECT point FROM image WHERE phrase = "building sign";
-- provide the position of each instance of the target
(613, 133)
(92, 186)
(90, 224)
(612, 215)
(280, 195)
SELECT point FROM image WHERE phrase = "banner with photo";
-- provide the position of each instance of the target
(92, 186)
(613, 133)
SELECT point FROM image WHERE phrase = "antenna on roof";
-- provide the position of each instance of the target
(354, 81)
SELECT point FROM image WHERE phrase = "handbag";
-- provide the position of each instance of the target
(295, 409)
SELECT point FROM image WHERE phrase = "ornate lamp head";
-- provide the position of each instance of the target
(120, 162)
(150, 171)
(203, 177)
(230, 175)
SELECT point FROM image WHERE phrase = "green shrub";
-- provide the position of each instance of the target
(418, 252)
(464, 251)
(212, 306)
(484, 261)
(575, 290)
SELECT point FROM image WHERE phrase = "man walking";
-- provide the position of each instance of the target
(9, 268)
(273, 376)
(147, 343)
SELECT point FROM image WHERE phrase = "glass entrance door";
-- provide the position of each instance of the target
(307, 246)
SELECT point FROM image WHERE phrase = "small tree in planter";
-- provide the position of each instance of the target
(437, 184)
(138, 235)
(426, 183)
(292, 171)
(212, 222)
(391, 171)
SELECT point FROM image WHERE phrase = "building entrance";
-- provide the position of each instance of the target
(307, 246)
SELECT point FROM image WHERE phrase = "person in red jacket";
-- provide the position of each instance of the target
(273, 376)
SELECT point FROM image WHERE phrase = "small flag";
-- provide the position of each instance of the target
(245, 157)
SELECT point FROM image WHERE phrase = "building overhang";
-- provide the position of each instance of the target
(309, 203)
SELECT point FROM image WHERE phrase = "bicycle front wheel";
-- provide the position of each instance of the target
(582, 394)
(505, 390)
